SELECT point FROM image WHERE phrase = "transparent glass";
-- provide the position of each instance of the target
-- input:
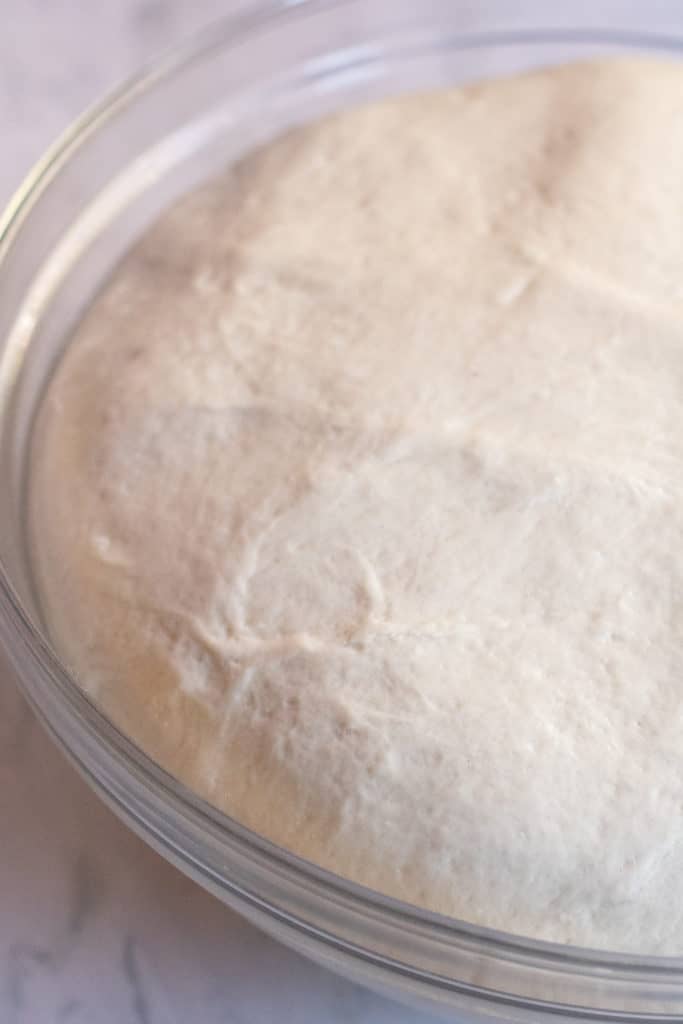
(244, 80)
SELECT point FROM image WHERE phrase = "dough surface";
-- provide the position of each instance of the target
(357, 499)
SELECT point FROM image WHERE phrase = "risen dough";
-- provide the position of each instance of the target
(357, 500)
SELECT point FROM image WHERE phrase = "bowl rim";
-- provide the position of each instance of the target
(17, 627)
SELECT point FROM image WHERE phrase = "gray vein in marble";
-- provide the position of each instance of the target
(22, 960)
(68, 1011)
(133, 975)
(85, 893)
(152, 17)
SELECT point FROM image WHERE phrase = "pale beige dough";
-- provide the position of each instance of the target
(358, 499)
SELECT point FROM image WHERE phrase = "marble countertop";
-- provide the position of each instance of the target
(95, 928)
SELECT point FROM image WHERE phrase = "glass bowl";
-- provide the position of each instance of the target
(274, 64)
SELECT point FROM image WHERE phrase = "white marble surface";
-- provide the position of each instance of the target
(95, 928)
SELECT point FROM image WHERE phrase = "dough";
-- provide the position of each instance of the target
(357, 500)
